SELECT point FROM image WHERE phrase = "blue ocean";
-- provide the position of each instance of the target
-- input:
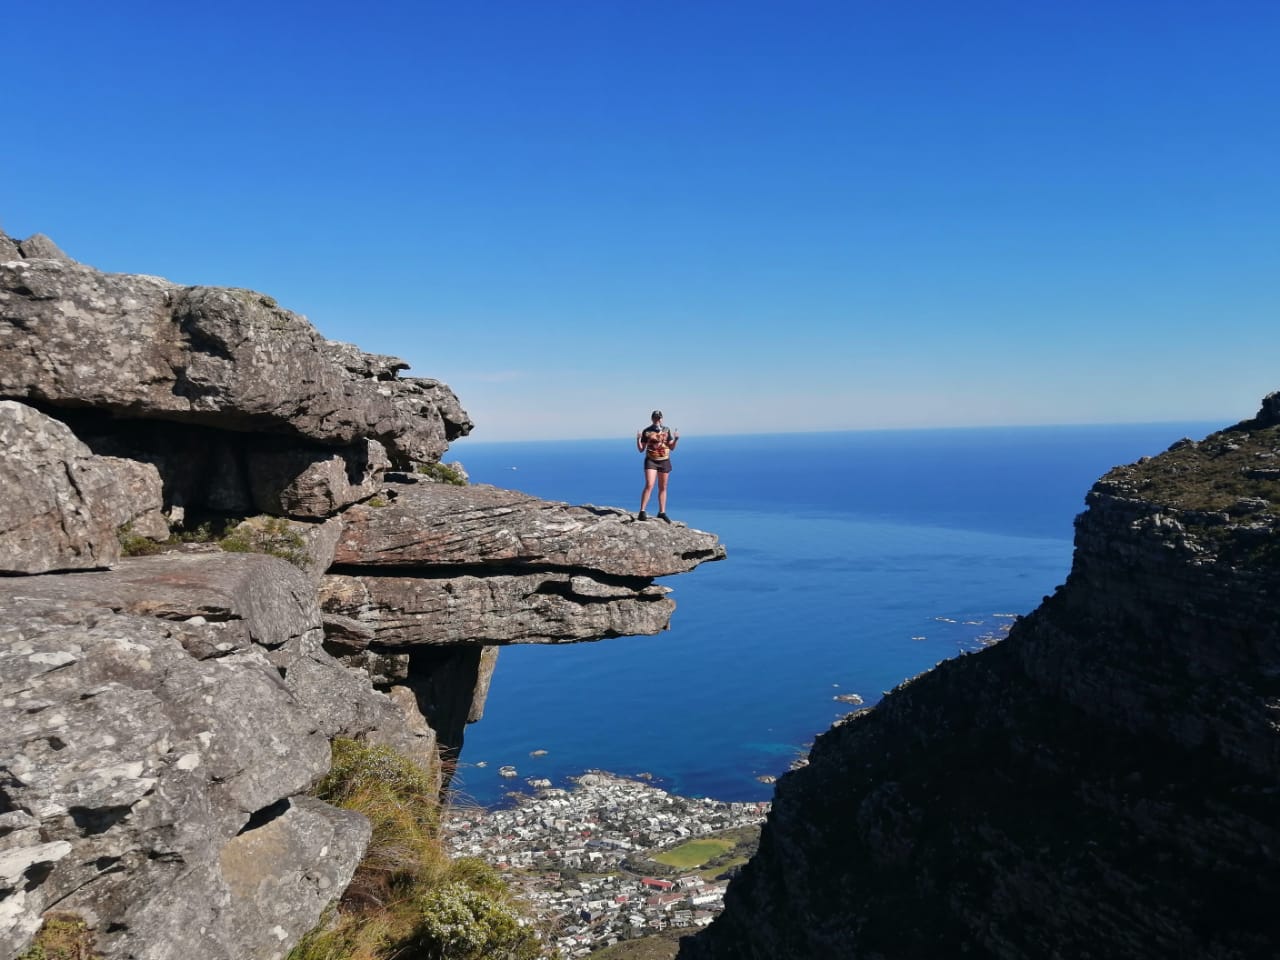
(855, 561)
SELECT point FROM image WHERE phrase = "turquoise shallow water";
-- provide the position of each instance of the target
(856, 560)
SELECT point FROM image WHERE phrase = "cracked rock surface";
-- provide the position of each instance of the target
(132, 772)
(142, 347)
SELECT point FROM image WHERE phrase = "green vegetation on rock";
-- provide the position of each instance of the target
(270, 535)
(442, 473)
(64, 936)
(134, 545)
(407, 898)
(273, 536)
(1213, 475)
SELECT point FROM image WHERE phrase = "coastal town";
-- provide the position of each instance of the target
(583, 858)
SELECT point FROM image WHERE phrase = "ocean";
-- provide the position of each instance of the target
(856, 560)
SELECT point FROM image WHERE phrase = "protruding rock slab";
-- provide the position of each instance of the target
(61, 506)
(443, 565)
(141, 347)
(550, 607)
(437, 525)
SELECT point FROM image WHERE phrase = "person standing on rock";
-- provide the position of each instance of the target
(656, 443)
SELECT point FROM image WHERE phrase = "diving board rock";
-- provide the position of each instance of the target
(428, 526)
(447, 565)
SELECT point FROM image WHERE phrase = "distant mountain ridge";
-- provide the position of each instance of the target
(1105, 782)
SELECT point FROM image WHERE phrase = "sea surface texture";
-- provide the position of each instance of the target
(856, 561)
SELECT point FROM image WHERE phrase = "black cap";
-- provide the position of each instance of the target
(656, 415)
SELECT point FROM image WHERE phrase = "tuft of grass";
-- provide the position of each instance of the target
(64, 936)
(442, 473)
(133, 545)
(270, 535)
(274, 536)
(408, 898)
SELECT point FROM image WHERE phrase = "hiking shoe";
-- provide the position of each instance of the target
(663, 516)
(642, 515)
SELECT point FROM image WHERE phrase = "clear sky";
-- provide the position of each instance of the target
(755, 215)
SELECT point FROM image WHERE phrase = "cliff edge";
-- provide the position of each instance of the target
(1102, 783)
(225, 542)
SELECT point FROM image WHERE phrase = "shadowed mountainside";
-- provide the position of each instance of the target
(1105, 782)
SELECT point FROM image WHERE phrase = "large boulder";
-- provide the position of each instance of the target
(171, 713)
(142, 347)
(63, 507)
(248, 600)
(151, 775)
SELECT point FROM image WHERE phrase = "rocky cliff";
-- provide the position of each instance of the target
(224, 542)
(1105, 782)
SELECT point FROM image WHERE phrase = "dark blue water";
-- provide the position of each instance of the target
(856, 560)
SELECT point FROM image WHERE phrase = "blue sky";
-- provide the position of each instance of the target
(758, 216)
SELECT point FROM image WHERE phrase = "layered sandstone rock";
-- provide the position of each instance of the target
(143, 348)
(152, 785)
(451, 565)
(62, 507)
(165, 716)
(437, 526)
(1101, 783)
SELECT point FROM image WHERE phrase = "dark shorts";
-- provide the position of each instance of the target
(662, 466)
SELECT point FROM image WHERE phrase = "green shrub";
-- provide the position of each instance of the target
(442, 473)
(270, 535)
(407, 898)
(461, 923)
(64, 936)
(133, 545)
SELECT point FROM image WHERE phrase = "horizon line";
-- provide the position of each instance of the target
(1222, 425)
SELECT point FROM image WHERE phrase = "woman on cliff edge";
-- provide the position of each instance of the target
(656, 443)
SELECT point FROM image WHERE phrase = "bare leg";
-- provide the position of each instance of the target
(662, 492)
(649, 477)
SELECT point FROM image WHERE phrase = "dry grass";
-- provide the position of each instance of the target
(64, 936)
(408, 899)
